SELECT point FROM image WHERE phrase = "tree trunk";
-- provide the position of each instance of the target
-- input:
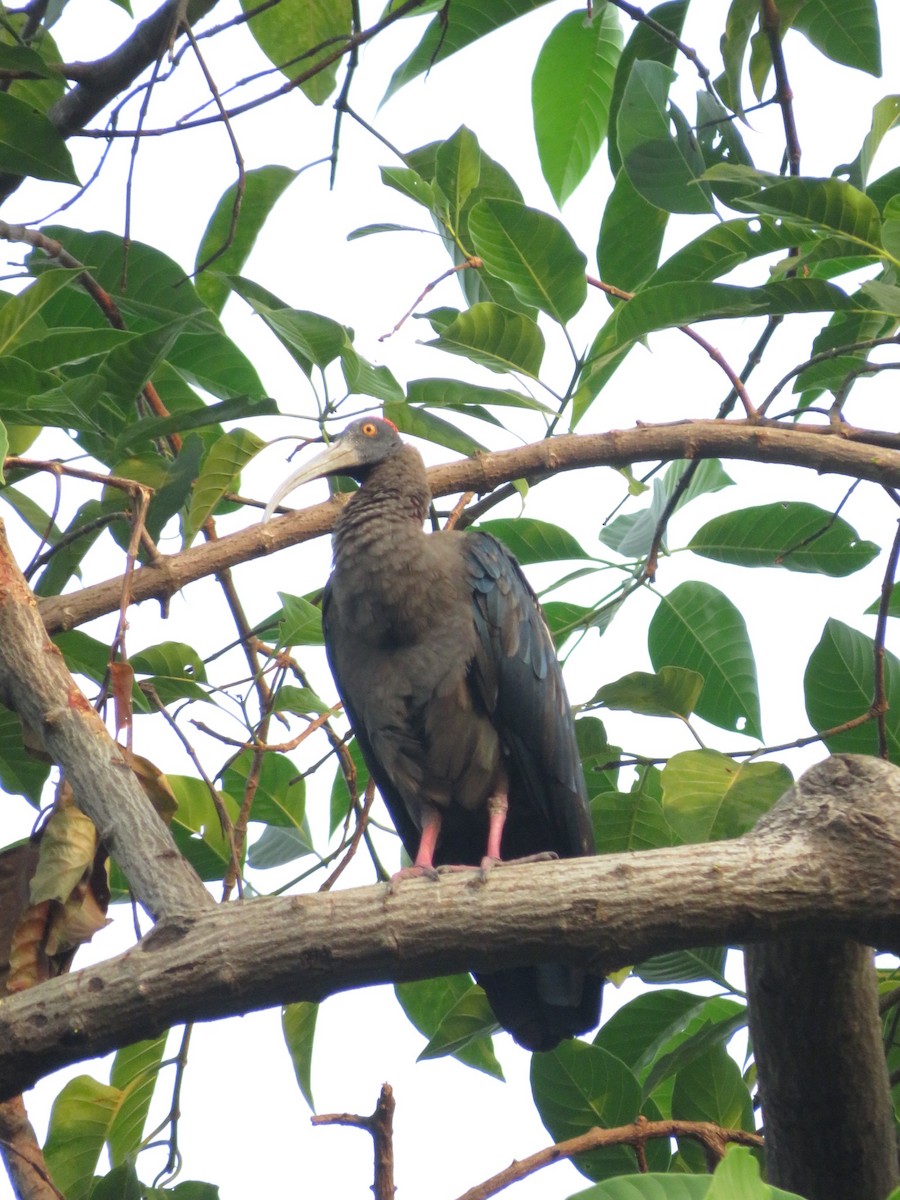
(815, 1025)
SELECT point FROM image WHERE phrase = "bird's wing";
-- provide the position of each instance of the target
(517, 677)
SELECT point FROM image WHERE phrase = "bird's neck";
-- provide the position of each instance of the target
(394, 494)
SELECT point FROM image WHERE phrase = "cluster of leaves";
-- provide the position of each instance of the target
(110, 346)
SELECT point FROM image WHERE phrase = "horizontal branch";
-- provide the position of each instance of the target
(818, 448)
(815, 864)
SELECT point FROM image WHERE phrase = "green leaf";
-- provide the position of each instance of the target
(470, 1020)
(366, 379)
(18, 58)
(419, 423)
(685, 966)
(494, 337)
(632, 534)
(121, 1183)
(638, 1030)
(737, 1178)
(134, 1071)
(533, 541)
(175, 671)
(22, 773)
(82, 1116)
(453, 1013)
(666, 169)
(571, 91)
(410, 184)
(457, 168)
(277, 845)
(885, 115)
(219, 474)
(827, 204)
(466, 397)
(644, 43)
(707, 796)
(312, 340)
(451, 30)
(231, 248)
(697, 627)
(31, 145)
(839, 685)
(717, 251)
(280, 795)
(533, 252)
(710, 1035)
(291, 32)
(719, 141)
(298, 1024)
(651, 1186)
(196, 827)
(631, 237)
(299, 622)
(673, 692)
(20, 315)
(845, 31)
(791, 534)
(685, 303)
(627, 821)
(577, 1086)
(711, 1089)
(150, 428)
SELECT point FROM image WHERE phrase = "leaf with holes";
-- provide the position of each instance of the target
(697, 627)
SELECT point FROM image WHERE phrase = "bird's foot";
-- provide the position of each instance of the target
(490, 862)
(414, 872)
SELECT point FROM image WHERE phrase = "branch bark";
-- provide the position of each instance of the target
(816, 1033)
(36, 684)
(818, 448)
(822, 876)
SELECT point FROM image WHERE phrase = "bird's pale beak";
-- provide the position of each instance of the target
(340, 456)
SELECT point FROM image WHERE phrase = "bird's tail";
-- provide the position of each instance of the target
(542, 1005)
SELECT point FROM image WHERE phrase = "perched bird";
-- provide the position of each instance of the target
(450, 680)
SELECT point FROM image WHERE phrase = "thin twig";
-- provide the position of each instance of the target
(879, 700)
(770, 20)
(381, 1127)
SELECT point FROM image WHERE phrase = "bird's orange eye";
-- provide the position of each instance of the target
(370, 429)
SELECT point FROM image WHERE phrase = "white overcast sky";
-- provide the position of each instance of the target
(245, 1125)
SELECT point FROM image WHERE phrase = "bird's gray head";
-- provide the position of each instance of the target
(359, 448)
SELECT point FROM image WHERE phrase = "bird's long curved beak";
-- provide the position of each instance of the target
(340, 456)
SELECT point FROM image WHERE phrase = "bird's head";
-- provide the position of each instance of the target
(359, 448)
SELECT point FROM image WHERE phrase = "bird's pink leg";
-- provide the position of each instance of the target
(431, 827)
(498, 806)
(424, 861)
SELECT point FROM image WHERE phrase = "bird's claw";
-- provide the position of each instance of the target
(413, 872)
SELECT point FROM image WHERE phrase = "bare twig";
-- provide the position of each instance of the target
(770, 19)
(380, 1125)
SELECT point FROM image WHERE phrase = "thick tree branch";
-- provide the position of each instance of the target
(856, 453)
(36, 684)
(822, 874)
(817, 1041)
